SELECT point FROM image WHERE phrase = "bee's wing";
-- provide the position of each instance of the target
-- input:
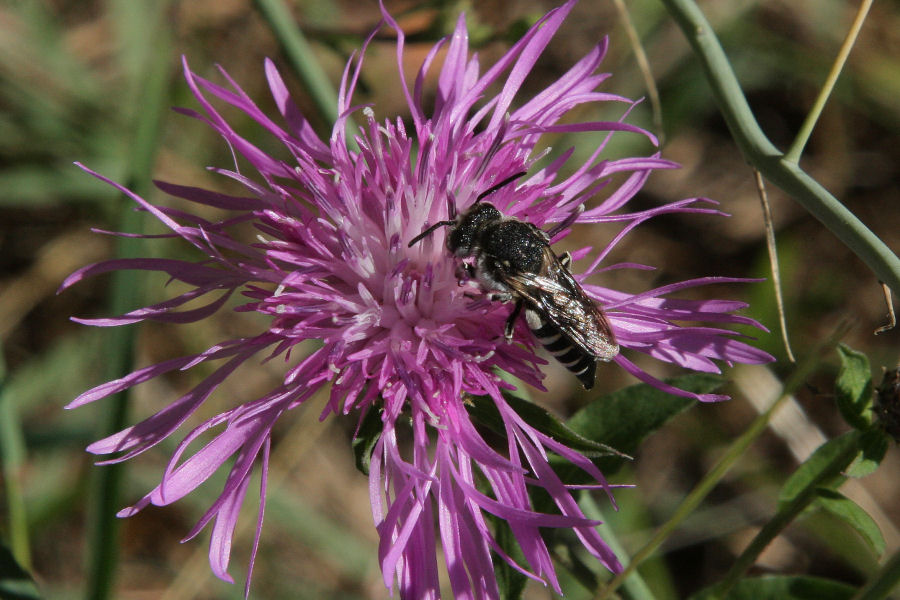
(556, 295)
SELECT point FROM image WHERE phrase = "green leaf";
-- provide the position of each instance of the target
(783, 587)
(850, 513)
(484, 412)
(873, 445)
(566, 552)
(853, 388)
(624, 418)
(826, 463)
(15, 582)
(510, 581)
(364, 442)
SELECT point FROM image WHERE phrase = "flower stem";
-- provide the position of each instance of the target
(635, 586)
(301, 56)
(783, 518)
(149, 74)
(771, 162)
(796, 149)
(640, 56)
(731, 456)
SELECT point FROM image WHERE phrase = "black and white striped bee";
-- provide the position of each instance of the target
(513, 261)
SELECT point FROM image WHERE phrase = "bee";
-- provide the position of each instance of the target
(512, 261)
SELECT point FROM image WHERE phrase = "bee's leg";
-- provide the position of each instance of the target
(565, 259)
(475, 293)
(469, 274)
(511, 321)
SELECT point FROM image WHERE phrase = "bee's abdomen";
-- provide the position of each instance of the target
(576, 359)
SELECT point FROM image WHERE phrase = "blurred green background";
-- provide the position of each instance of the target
(92, 82)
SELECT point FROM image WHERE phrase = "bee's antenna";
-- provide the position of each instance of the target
(566, 222)
(496, 187)
(428, 231)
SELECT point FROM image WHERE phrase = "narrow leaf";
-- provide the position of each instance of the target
(826, 462)
(853, 515)
(783, 587)
(366, 437)
(853, 388)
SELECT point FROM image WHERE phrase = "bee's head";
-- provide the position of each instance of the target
(464, 230)
(464, 234)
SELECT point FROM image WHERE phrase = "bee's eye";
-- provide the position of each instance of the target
(460, 238)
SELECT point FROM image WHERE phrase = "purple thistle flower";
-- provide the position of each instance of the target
(399, 334)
